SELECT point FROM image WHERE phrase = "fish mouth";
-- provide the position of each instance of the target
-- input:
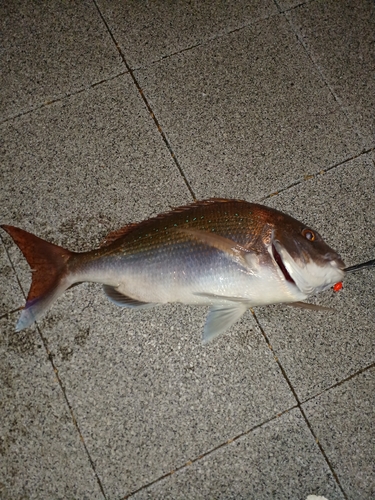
(280, 263)
(309, 275)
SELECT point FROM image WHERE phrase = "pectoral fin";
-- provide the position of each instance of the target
(221, 318)
(236, 251)
(216, 297)
(305, 305)
(122, 300)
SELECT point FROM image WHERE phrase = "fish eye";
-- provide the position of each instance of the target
(308, 234)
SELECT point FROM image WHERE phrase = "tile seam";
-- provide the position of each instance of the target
(341, 382)
(321, 172)
(209, 452)
(148, 106)
(14, 271)
(62, 387)
(324, 79)
(133, 68)
(8, 313)
(75, 422)
(206, 41)
(293, 7)
(60, 98)
(299, 405)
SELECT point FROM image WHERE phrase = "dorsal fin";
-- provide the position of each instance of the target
(119, 233)
(115, 235)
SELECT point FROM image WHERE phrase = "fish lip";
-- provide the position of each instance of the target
(308, 276)
(279, 261)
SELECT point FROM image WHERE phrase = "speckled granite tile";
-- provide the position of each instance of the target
(148, 396)
(51, 49)
(340, 38)
(86, 165)
(280, 460)
(248, 114)
(318, 349)
(343, 420)
(41, 452)
(148, 31)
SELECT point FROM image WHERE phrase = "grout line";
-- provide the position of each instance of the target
(56, 372)
(129, 69)
(208, 40)
(276, 2)
(323, 452)
(75, 423)
(308, 177)
(148, 106)
(288, 9)
(299, 404)
(171, 54)
(276, 358)
(61, 98)
(325, 81)
(8, 313)
(209, 452)
(343, 381)
(15, 273)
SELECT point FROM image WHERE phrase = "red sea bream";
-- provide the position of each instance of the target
(227, 254)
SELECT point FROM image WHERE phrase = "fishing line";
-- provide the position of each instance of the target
(357, 267)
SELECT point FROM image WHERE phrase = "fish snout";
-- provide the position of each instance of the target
(335, 260)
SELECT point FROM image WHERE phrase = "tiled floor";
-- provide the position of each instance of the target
(113, 111)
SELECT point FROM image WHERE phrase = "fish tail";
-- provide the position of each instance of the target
(50, 275)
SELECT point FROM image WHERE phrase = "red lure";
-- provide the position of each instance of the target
(337, 286)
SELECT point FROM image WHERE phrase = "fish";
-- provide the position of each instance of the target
(228, 254)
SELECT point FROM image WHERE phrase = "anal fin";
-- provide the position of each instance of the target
(122, 300)
(221, 318)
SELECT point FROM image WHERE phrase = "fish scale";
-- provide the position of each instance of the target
(157, 253)
(231, 220)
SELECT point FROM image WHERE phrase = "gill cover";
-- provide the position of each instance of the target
(311, 270)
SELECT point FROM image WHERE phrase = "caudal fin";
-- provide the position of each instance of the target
(48, 264)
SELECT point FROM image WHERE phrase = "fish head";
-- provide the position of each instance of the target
(303, 257)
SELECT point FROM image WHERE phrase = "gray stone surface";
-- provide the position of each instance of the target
(86, 165)
(343, 420)
(340, 38)
(58, 162)
(248, 111)
(317, 349)
(285, 5)
(148, 31)
(148, 395)
(42, 455)
(10, 294)
(278, 460)
(51, 49)
(254, 118)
